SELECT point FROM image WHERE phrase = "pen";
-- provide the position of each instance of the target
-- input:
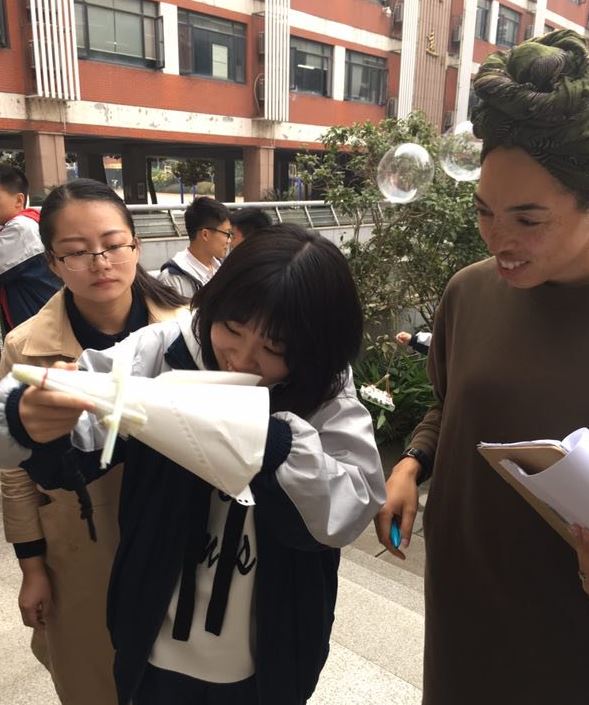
(395, 533)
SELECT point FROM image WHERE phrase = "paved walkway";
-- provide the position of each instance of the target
(376, 651)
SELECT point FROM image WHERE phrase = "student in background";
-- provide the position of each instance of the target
(419, 341)
(26, 282)
(246, 221)
(90, 244)
(209, 232)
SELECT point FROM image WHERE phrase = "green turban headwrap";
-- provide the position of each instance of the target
(536, 96)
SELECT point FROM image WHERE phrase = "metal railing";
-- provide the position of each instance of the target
(167, 221)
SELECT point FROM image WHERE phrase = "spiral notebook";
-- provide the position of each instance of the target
(552, 476)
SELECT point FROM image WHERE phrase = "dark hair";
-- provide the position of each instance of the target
(250, 219)
(13, 180)
(204, 212)
(298, 288)
(90, 190)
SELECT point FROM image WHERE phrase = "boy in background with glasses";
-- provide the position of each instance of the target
(26, 282)
(209, 232)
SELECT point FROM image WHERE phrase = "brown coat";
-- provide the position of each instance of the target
(507, 620)
(77, 648)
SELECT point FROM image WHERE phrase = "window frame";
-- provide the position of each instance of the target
(326, 57)
(86, 52)
(238, 46)
(504, 19)
(486, 23)
(3, 26)
(382, 70)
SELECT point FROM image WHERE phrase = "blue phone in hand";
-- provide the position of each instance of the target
(395, 533)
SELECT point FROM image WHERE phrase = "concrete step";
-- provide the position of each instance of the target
(350, 679)
(383, 621)
(377, 640)
(389, 580)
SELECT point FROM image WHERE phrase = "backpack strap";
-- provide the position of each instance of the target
(176, 269)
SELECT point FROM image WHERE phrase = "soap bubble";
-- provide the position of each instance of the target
(460, 153)
(405, 173)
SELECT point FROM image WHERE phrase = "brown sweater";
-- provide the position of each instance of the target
(507, 622)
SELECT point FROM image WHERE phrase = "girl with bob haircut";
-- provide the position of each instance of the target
(211, 601)
(90, 243)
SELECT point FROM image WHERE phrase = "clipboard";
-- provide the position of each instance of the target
(532, 458)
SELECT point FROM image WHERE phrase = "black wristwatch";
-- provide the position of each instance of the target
(422, 459)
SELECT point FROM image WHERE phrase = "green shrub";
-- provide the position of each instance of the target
(414, 250)
(409, 386)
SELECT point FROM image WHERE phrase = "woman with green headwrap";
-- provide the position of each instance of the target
(507, 620)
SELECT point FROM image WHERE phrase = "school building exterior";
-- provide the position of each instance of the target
(254, 81)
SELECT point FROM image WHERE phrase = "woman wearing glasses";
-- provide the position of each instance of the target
(90, 242)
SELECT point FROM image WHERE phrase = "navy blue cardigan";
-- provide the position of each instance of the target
(163, 521)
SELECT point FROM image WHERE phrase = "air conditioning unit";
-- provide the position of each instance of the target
(398, 13)
(392, 107)
(259, 88)
(33, 65)
(529, 33)
(261, 43)
(456, 35)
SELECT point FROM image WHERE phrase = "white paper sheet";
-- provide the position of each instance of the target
(214, 424)
(564, 486)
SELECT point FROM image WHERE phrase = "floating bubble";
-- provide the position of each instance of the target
(405, 173)
(460, 153)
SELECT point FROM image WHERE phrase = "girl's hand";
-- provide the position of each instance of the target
(403, 338)
(48, 415)
(401, 502)
(34, 599)
(581, 536)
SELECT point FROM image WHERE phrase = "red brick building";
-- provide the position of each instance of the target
(236, 80)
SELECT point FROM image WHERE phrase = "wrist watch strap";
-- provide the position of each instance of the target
(422, 459)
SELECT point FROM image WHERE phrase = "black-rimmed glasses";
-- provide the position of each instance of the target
(79, 261)
(228, 233)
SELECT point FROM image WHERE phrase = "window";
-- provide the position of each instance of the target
(210, 46)
(366, 78)
(481, 30)
(310, 66)
(122, 31)
(507, 27)
(3, 32)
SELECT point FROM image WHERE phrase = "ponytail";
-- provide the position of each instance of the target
(150, 288)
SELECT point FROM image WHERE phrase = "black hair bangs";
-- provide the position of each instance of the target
(257, 296)
(258, 301)
(296, 288)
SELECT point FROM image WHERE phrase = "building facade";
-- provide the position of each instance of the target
(237, 82)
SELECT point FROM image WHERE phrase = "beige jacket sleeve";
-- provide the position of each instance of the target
(20, 496)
